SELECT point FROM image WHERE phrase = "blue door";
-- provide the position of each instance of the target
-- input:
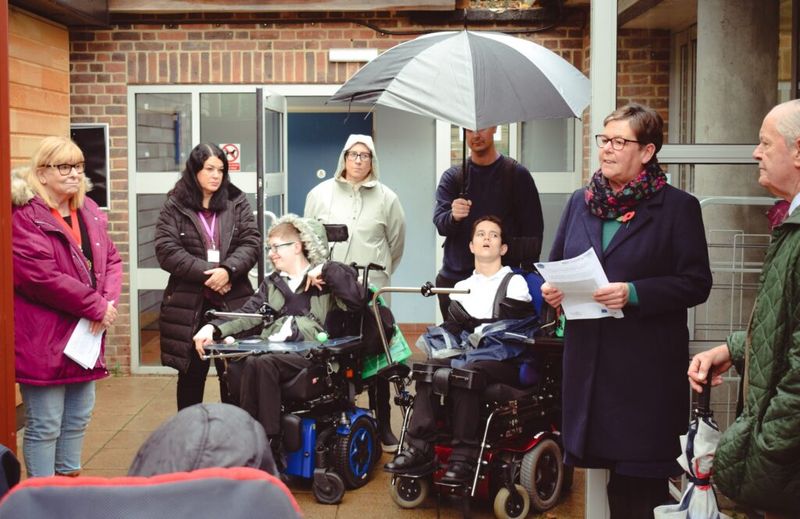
(315, 141)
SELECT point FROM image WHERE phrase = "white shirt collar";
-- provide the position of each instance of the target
(794, 204)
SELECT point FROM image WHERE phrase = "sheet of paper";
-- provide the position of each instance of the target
(83, 346)
(578, 278)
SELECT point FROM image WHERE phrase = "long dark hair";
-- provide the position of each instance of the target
(188, 189)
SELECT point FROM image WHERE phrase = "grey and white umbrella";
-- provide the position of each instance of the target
(471, 79)
(698, 446)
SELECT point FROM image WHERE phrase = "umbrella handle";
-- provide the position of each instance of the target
(704, 401)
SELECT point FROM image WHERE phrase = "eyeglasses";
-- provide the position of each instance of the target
(616, 142)
(66, 169)
(274, 247)
(353, 155)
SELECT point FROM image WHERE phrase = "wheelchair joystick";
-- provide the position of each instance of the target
(321, 337)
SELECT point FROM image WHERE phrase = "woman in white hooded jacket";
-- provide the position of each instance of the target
(354, 196)
(376, 226)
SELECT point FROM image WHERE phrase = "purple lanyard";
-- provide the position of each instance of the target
(209, 230)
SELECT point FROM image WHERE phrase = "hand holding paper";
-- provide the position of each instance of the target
(83, 346)
(578, 280)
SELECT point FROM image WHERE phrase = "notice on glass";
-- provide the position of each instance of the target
(83, 346)
(578, 278)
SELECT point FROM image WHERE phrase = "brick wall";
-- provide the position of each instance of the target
(38, 83)
(643, 61)
(104, 62)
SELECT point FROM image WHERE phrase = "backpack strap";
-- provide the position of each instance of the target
(502, 289)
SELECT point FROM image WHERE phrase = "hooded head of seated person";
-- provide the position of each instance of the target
(204, 436)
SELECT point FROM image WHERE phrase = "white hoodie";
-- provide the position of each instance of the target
(372, 212)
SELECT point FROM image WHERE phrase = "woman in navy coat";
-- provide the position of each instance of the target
(624, 384)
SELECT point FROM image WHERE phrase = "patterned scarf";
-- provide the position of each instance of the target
(604, 203)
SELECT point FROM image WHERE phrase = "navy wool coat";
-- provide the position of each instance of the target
(625, 391)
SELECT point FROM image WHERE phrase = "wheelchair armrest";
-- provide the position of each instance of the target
(338, 346)
(456, 377)
(394, 371)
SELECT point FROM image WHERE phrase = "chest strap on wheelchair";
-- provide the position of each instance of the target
(502, 289)
(294, 303)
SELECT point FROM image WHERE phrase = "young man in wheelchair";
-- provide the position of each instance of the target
(467, 312)
(302, 290)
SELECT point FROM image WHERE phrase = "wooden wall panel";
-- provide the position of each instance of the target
(38, 82)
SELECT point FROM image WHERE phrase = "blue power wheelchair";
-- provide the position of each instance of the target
(519, 464)
(326, 437)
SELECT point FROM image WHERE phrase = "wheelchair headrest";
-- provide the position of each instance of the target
(337, 232)
(522, 252)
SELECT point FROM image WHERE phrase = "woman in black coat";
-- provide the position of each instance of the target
(624, 382)
(207, 239)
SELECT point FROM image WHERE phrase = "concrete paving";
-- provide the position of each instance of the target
(129, 408)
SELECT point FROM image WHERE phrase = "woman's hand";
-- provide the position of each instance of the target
(716, 360)
(204, 335)
(110, 316)
(613, 296)
(218, 280)
(552, 295)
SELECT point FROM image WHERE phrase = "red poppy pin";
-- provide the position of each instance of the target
(627, 217)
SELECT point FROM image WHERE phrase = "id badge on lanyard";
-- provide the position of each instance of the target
(212, 254)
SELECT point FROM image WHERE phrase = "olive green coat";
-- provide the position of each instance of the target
(758, 458)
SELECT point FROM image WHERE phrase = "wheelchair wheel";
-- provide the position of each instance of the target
(542, 474)
(354, 453)
(512, 505)
(331, 492)
(409, 492)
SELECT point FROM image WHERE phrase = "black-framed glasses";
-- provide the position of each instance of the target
(353, 155)
(66, 169)
(616, 142)
(276, 246)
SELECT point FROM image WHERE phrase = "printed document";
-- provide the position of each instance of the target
(83, 346)
(578, 278)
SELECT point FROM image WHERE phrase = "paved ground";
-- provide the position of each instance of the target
(129, 408)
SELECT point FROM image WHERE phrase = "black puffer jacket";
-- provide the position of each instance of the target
(181, 251)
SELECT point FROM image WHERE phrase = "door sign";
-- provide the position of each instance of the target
(233, 152)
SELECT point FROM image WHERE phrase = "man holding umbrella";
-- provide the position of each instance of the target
(492, 184)
(757, 461)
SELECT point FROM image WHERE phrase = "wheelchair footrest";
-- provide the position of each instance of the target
(452, 377)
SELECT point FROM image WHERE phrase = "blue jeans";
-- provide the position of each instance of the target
(56, 418)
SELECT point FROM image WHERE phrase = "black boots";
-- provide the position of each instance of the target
(412, 460)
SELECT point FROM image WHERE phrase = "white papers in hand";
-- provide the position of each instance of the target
(578, 278)
(83, 346)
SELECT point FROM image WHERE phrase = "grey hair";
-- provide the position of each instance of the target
(788, 123)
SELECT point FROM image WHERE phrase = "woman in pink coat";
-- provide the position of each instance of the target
(66, 271)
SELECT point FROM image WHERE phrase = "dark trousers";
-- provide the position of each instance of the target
(379, 401)
(463, 408)
(444, 299)
(260, 388)
(631, 497)
(192, 382)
